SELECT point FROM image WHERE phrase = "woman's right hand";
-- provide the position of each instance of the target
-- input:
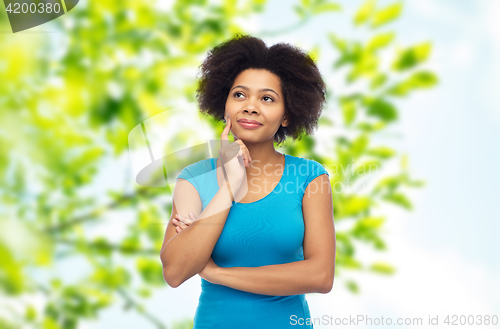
(235, 157)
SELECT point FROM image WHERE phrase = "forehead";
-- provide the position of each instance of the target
(256, 79)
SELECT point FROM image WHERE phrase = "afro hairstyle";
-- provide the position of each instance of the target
(303, 88)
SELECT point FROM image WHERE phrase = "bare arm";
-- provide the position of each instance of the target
(288, 279)
(186, 253)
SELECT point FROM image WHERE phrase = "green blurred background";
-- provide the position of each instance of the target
(411, 93)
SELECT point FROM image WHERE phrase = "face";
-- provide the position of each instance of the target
(256, 95)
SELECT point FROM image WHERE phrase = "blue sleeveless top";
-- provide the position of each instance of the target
(265, 232)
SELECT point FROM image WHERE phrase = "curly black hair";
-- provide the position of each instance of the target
(301, 83)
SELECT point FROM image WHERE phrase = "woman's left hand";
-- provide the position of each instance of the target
(208, 272)
(182, 222)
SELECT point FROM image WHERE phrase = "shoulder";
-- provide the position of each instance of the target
(199, 166)
(198, 174)
(305, 170)
(304, 166)
(196, 170)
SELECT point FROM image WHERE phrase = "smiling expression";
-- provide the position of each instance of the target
(256, 95)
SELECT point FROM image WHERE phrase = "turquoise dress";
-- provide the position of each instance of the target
(265, 232)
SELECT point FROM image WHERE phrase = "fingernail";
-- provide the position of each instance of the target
(191, 214)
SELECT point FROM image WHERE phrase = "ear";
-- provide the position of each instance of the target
(285, 121)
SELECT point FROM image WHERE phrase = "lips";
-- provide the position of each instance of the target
(247, 125)
(249, 121)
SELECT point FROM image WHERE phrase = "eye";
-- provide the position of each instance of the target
(272, 100)
(236, 94)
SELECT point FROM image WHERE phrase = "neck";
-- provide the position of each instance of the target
(263, 154)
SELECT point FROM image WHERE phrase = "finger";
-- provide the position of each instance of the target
(178, 229)
(243, 153)
(176, 222)
(181, 220)
(225, 132)
(187, 220)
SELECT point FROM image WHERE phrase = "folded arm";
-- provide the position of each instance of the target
(295, 278)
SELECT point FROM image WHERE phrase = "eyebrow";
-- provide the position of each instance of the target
(260, 90)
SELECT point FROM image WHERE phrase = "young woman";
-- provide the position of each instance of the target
(255, 224)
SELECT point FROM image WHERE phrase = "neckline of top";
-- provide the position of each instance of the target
(214, 166)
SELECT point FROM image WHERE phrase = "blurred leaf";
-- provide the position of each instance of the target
(404, 162)
(353, 56)
(348, 110)
(381, 152)
(370, 222)
(300, 12)
(352, 205)
(111, 278)
(415, 183)
(348, 262)
(388, 183)
(383, 268)
(365, 65)
(382, 109)
(367, 168)
(345, 248)
(359, 145)
(367, 229)
(144, 292)
(130, 244)
(325, 121)
(418, 80)
(151, 271)
(326, 7)
(377, 81)
(11, 276)
(31, 313)
(352, 286)
(399, 199)
(371, 127)
(380, 41)
(387, 14)
(339, 43)
(365, 12)
(410, 57)
(183, 324)
(102, 246)
(49, 323)
(5, 324)
(314, 53)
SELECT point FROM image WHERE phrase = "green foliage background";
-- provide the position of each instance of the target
(68, 101)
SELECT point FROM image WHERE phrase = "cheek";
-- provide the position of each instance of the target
(229, 104)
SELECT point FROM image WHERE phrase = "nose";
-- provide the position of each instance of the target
(250, 107)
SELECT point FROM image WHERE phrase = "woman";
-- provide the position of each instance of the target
(255, 224)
